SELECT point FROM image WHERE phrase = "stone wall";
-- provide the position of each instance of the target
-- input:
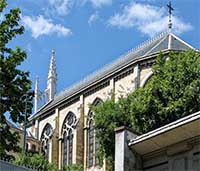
(119, 85)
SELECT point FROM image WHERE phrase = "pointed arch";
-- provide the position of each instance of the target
(146, 79)
(45, 138)
(47, 128)
(70, 121)
(68, 127)
(93, 143)
(97, 101)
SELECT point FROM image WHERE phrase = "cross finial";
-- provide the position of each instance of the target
(53, 52)
(170, 9)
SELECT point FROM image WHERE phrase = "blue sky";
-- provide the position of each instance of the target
(87, 34)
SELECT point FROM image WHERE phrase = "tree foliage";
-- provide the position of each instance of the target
(73, 167)
(36, 161)
(108, 116)
(14, 83)
(172, 92)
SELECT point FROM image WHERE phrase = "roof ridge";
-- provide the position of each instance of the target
(147, 42)
(120, 58)
(182, 41)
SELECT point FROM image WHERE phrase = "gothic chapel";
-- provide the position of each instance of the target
(63, 123)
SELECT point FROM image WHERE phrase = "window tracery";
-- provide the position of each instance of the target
(67, 130)
(45, 140)
(93, 144)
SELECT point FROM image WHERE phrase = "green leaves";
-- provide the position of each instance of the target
(172, 92)
(3, 4)
(36, 161)
(73, 167)
(14, 83)
(108, 116)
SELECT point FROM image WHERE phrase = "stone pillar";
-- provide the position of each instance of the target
(85, 148)
(36, 128)
(125, 159)
(80, 134)
(55, 139)
(136, 79)
(60, 153)
(112, 85)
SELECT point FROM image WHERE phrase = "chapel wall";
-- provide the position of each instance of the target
(120, 84)
(102, 94)
(124, 86)
(75, 108)
(145, 73)
(42, 123)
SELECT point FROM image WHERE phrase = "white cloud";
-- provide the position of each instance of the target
(61, 7)
(96, 3)
(93, 18)
(148, 19)
(41, 26)
(99, 3)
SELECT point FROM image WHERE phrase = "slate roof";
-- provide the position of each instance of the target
(14, 126)
(152, 46)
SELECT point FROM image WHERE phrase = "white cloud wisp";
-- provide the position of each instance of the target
(40, 26)
(61, 7)
(93, 18)
(147, 19)
(99, 3)
(96, 3)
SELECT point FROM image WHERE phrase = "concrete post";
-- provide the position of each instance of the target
(125, 160)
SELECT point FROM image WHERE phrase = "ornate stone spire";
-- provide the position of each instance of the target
(52, 67)
(52, 77)
(36, 94)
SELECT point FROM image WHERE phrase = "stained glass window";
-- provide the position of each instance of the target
(68, 126)
(70, 147)
(91, 143)
(65, 148)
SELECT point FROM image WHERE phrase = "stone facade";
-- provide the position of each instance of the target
(119, 78)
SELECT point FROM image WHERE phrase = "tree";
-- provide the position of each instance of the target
(108, 116)
(14, 83)
(36, 161)
(72, 167)
(172, 92)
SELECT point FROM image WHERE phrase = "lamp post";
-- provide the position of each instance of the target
(25, 116)
(25, 119)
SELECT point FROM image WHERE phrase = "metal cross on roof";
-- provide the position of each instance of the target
(170, 9)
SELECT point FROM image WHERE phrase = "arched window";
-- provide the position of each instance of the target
(65, 148)
(45, 140)
(93, 144)
(67, 130)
